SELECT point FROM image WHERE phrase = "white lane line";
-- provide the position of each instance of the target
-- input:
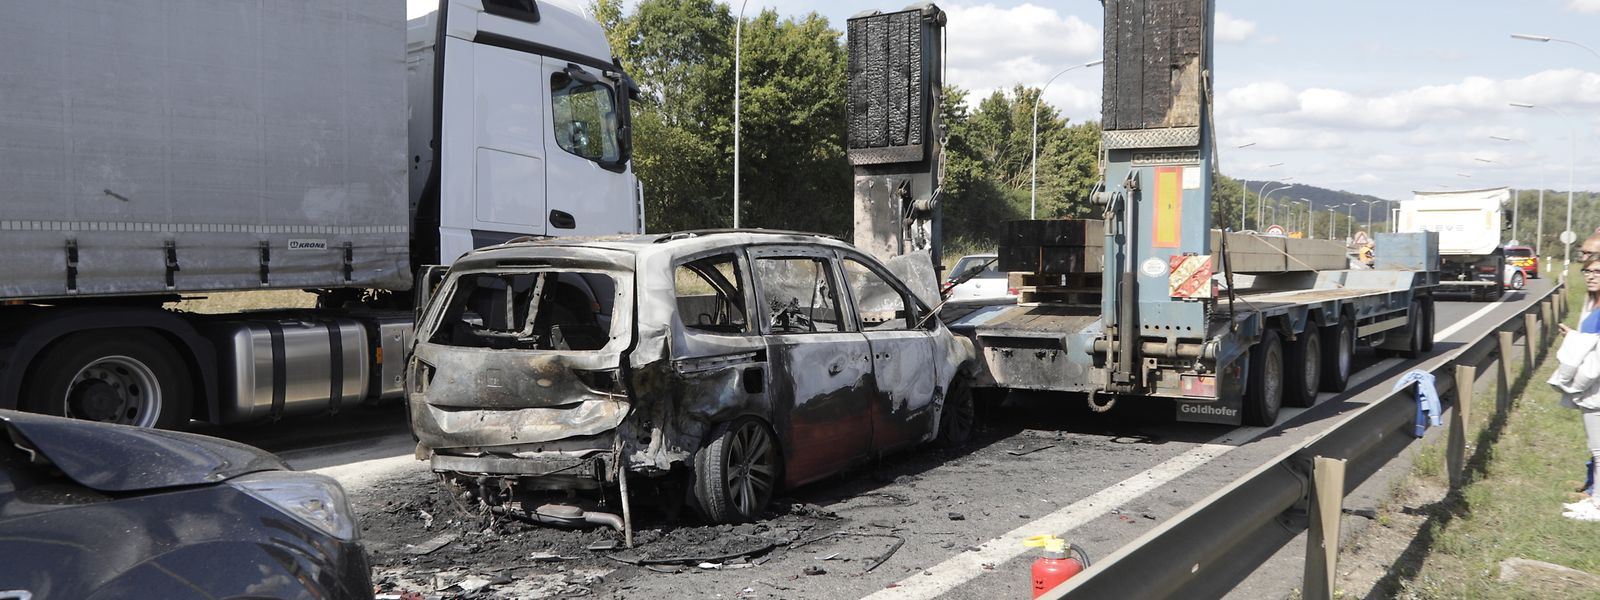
(962, 567)
(966, 566)
(1462, 324)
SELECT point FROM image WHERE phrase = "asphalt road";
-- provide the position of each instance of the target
(1042, 465)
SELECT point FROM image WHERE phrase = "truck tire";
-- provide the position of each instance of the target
(1263, 395)
(736, 473)
(1416, 332)
(1338, 355)
(1427, 324)
(1303, 365)
(126, 376)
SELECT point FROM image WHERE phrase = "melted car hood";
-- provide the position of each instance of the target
(119, 458)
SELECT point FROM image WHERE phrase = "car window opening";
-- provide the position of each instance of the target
(800, 295)
(546, 310)
(710, 295)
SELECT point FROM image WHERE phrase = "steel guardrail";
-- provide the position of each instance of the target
(1206, 550)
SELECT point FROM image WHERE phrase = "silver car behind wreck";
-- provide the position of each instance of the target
(547, 365)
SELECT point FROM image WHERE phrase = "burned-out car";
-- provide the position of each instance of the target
(734, 362)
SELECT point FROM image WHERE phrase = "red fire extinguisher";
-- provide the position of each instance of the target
(1055, 566)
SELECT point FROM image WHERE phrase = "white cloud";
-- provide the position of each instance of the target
(994, 48)
(1232, 29)
(1584, 6)
(1286, 138)
(1259, 97)
(1408, 109)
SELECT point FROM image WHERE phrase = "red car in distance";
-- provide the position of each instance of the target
(1522, 257)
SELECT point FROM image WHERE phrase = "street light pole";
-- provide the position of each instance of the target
(1263, 188)
(1572, 166)
(1369, 215)
(1331, 211)
(1244, 192)
(738, 36)
(1349, 221)
(1033, 190)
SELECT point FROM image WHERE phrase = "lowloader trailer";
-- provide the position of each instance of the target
(1151, 302)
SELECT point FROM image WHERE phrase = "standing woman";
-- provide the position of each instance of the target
(1577, 377)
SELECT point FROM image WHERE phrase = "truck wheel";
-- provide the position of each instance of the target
(958, 415)
(1427, 325)
(1264, 394)
(1338, 352)
(736, 474)
(126, 376)
(1304, 366)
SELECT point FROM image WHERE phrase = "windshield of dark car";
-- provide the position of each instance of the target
(967, 263)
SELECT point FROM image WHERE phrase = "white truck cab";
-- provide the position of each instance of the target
(529, 133)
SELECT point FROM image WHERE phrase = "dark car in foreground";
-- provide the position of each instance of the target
(93, 511)
(743, 361)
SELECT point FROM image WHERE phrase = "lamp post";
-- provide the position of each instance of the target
(1244, 193)
(1269, 193)
(1245, 201)
(1263, 189)
(738, 36)
(1033, 191)
(1539, 233)
(1332, 210)
(1349, 221)
(1369, 214)
(1572, 169)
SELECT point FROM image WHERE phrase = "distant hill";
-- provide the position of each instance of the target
(1324, 198)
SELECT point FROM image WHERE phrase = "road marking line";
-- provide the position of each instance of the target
(1462, 324)
(967, 566)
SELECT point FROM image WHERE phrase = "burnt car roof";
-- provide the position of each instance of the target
(683, 241)
(121, 458)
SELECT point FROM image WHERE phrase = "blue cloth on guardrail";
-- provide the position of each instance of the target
(1428, 408)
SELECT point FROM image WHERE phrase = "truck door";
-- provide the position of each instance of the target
(589, 190)
(492, 158)
(902, 357)
(819, 371)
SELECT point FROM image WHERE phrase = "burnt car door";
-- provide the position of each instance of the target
(902, 355)
(819, 370)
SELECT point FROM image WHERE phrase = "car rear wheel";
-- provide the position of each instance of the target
(124, 376)
(736, 474)
(958, 416)
(1518, 280)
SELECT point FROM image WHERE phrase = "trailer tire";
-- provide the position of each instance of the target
(126, 376)
(1338, 355)
(1263, 396)
(1419, 332)
(729, 472)
(1303, 361)
(1427, 324)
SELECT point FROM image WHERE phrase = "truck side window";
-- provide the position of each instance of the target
(800, 295)
(711, 295)
(585, 117)
(879, 306)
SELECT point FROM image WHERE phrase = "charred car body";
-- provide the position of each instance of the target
(575, 363)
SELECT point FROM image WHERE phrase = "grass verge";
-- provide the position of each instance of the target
(1511, 507)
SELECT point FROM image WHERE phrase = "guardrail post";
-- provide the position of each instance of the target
(1456, 448)
(1503, 397)
(1530, 329)
(1548, 313)
(1322, 538)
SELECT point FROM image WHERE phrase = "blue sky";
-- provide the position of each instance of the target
(1370, 96)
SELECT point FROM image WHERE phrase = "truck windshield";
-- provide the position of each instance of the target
(586, 119)
(543, 310)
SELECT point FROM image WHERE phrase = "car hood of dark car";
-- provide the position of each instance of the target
(119, 458)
